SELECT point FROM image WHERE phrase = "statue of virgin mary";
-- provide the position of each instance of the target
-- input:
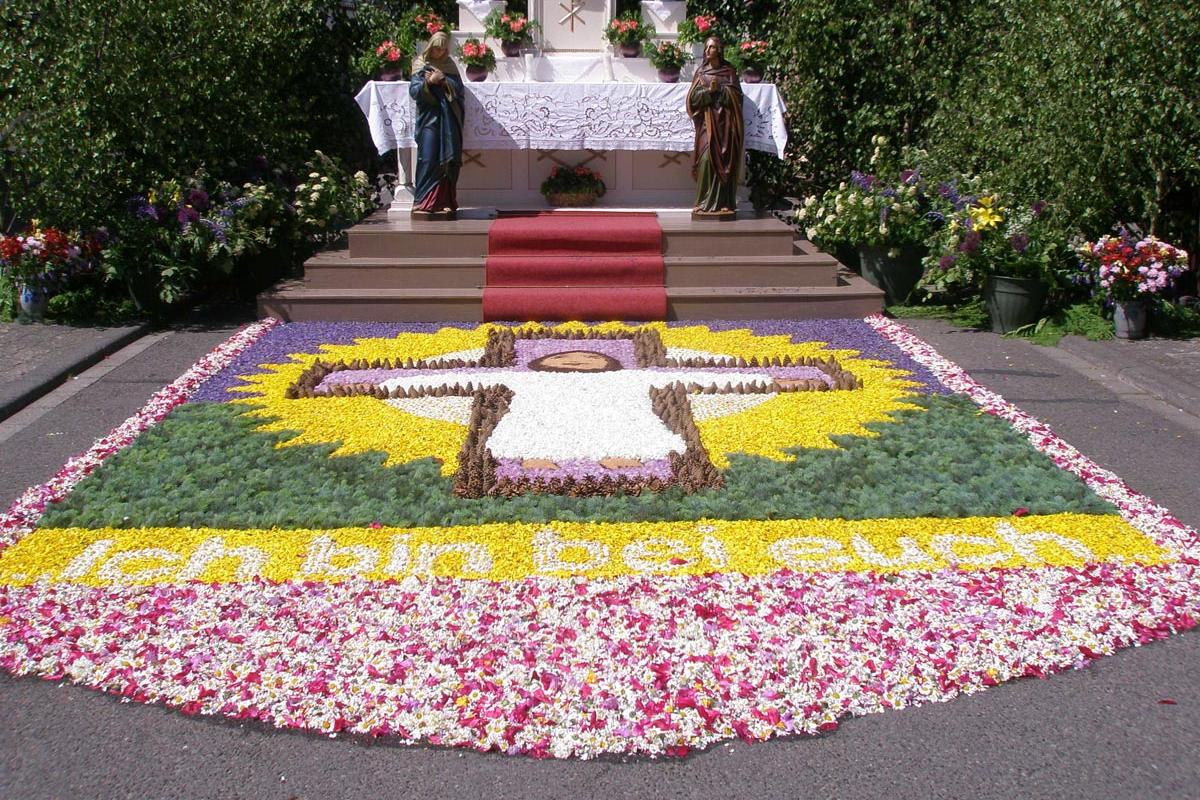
(438, 92)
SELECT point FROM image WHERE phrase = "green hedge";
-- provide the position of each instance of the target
(102, 98)
(1091, 104)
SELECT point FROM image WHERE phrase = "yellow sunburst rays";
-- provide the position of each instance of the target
(364, 424)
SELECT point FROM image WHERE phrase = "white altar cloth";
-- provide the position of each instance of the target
(572, 116)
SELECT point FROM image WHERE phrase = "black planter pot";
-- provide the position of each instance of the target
(510, 49)
(669, 75)
(896, 275)
(1013, 302)
(630, 50)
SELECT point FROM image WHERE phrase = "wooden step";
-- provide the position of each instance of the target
(334, 269)
(294, 301)
(398, 236)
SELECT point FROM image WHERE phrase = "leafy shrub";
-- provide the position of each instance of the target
(101, 99)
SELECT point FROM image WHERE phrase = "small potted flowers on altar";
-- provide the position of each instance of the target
(883, 214)
(1131, 270)
(387, 61)
(573, 187)
(693, 32)
(749, 58)
(627, 32)
(668, 58)
(420, 23)
(512, 29)
(478, 57)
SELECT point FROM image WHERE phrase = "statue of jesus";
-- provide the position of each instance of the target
(714, 103)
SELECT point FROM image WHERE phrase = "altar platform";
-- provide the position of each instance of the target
(393, 269)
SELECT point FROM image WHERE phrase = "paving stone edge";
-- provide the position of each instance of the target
(57, 369)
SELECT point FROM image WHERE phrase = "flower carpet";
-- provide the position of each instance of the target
(571, 540)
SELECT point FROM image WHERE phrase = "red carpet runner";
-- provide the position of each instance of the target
(575, 265)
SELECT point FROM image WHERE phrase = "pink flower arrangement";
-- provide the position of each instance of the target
(509, 26)
(698, 28)
(388, 51)
(475, 53)
(1127, 267)
(754, 51)
(629, 29)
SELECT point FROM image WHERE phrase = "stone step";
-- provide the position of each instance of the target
(398, 236)
(334, 269)
(295, 301)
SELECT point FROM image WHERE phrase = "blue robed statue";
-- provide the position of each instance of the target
(438, 92)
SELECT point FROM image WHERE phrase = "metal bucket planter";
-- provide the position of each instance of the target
(1129, 319)
(897, 276)
(1013, 302)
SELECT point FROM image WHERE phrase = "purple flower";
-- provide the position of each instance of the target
(889, 192)
(947, 261)
(141, 208)
(218, 231)
(198, 199)
(935, 216)
(864, 182)
(909, 176)
(1038, 208)
(187, 215)
(970, 242)
(1019, 242)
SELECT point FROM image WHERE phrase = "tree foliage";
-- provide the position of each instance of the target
(102, 98)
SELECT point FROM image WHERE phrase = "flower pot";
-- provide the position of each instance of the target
(669, 75)
(630, 50)
(571, 199)
(391, 74)
(511, 49)
(33, 301)
(1129, 319)
(896, 275)
(1013, 302)
(476, 73)
(752, 75)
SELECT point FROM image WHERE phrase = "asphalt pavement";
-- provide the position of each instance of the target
(1097, 732)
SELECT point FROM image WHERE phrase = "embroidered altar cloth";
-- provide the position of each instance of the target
(572, 116)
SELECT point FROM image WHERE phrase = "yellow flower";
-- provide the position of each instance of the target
(984, 215)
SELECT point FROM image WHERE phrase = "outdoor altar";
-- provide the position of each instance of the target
(569, 102)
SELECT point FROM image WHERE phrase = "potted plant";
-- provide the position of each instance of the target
(387, 61)
(40, 262)
(1132, 269)
(478, 57)
(749, 59)
(883, 214)
(627, 32)
(1008, 253)
(693, 32)
(573, 187)
(419, 24)
(668, 58)
(511, 29)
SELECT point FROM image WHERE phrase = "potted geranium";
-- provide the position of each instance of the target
(627, 32)
(578, 186)
(387, 61)
(40, 262)
(420, 24)
(749, 58)
(1008, 252)
(1131, 269)
(693, 32)
(478, 57)
(668, 58)
(883, 214)
(512, 29)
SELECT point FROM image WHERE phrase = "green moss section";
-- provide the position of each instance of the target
(205, 465)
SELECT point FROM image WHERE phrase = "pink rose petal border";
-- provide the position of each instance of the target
(580, 668)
